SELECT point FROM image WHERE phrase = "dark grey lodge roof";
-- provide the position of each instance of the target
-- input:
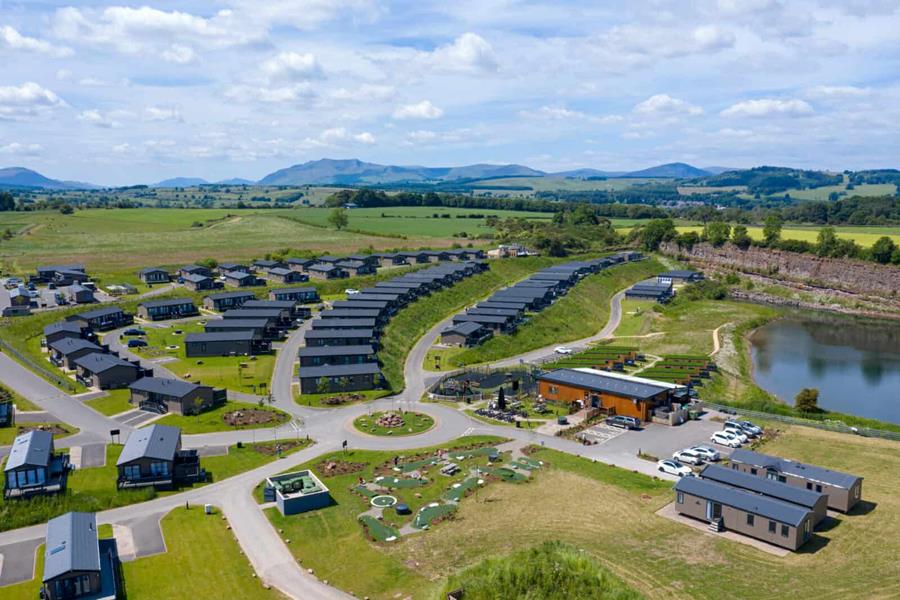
(467, 328)
(349, 313)
(601, 383)
(681, 274)
(218, 324)
(253, 313)
(343, 323)
(280, 271)
(270, 304)
(32, 448)
(783, 512)
(339, 333)
(336, 350)
(238, 275)
(62, 326)
(219, 336)
(761, 485)
(295, 290)
(228, 295)
(71, 545)
(156, 441)
(166, 387)
(195, 278)
(358, 304)
(99, 312)
(340, 370)
(100, 362)
(67, 346)
(811, 472)
(460, 318)
(170, 302)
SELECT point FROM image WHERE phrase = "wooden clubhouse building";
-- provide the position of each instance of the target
(613, 392)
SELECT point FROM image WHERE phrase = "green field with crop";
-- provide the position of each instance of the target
(553, 184)
(862, 235)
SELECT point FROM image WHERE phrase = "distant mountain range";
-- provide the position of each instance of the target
(352, 172)
(20, 177)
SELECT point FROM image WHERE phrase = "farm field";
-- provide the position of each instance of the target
(864, 236)
(418, 220)
(115, 244)
(550, 184)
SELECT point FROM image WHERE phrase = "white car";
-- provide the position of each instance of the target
(351, 291)
(725, 439)
(673, 467)
(738, 433)
(689, 457)
(562, 350)
(706, 452)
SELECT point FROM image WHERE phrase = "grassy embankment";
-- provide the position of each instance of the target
(94, 489)
(655, 556)
(411, 323)
(580, 313)
(220, 570)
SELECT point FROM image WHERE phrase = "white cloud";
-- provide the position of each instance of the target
(300, 93)
(768, 107)
(291, 66)
(623, 47)
(158, 113)
(560, 113)
(27, 100)
(469, 53)
(179, 54)
(14, 40)
(365, 92)
(666, 105)
(340, 136)
(17, 149)
(420, 110)
(97, 119)
(838, 91)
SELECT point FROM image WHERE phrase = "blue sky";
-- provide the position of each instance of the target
(119, 93)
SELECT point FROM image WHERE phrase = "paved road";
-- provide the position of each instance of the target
(328, 427)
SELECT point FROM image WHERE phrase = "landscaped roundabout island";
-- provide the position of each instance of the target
(394, 423)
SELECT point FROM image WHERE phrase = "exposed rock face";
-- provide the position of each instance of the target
(856, 276)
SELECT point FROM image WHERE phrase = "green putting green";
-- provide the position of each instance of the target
(458, 491)
(418, 464)
(504, 473)
(431, 513)
(378, 530)
(396, 482)
(366, 491)
(464, 454)
(528, 463)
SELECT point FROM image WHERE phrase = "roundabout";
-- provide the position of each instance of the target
(394, 423)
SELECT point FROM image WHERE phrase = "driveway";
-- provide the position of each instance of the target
(17, 561)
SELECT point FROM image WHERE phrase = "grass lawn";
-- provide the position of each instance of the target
(442, 359)
(249, 374)
(415, 320)
(413, 424)
(8, 434)
(94, 489)
(580, 313)
(321, 400)
(219, 570)
(115, 402)
(332, 542)
(213, 420)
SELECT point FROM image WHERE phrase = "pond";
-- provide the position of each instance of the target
(854, 363)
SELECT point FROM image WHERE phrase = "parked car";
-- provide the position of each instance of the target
(688, 456)
(708, 454)
(738, 426)
(738, 433)
(351, 291)
(51, 286)
(749, 427)
(725, 439)
(623, 421)
(562, 350)
(136, 343)
(673, 467)
(134, 331)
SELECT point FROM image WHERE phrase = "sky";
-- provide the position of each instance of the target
(116, 93)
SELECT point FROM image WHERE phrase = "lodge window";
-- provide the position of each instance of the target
(808, 485)
(753, 471)
(554, 389)
(132, 472)
(772, 526)
(159, 468)
(818, 488)
(785, 530)
(750, 519)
